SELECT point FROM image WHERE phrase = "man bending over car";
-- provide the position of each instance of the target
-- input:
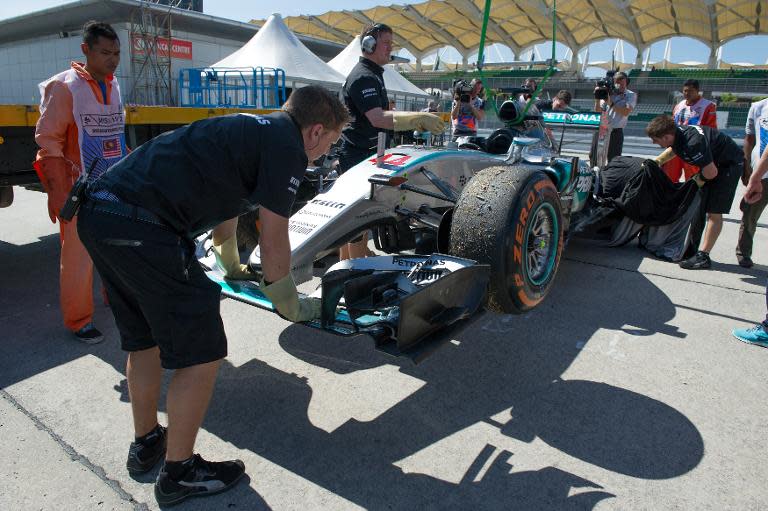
(138, 222)
(720, 162)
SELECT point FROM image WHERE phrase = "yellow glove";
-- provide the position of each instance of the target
(228, 258)
(285, 298)
(420, 121)
(665, 156)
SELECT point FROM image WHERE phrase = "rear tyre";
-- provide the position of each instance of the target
(510, 218)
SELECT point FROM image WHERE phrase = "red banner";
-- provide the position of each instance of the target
(179, 48)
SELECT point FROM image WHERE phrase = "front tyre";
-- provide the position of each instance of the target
(510, 218)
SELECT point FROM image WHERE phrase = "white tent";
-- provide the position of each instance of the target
(393, 81)
(275, 46)
(610, 65)
(742, 65)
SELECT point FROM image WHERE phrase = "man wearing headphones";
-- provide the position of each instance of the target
(366, 99)
(365, 95)
(619, 104)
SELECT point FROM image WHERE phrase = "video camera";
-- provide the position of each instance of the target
(605, 87)
(462, 90)
(527, 88)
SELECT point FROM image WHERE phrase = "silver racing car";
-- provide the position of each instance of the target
(478, 223)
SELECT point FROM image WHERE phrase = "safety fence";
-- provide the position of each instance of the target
(256, 87)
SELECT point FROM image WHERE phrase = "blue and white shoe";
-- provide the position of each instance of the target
(755, 335)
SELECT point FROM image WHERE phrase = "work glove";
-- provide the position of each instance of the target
(228, 258)
(663, 157)
(420, 121)
(283, 295)
(57, 179)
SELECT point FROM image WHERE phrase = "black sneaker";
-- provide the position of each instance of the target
(745, 261)
(700, 261)
(201, 479)
(143, 455)
(89, 334)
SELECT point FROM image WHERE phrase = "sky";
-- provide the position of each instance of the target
(751, 48)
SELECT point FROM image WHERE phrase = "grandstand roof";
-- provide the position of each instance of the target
(424, 27)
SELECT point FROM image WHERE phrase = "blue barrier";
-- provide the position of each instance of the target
(253, 87)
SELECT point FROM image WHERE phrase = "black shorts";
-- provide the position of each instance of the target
(720, 192)
(157, 291)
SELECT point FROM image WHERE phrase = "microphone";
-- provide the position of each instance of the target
(397, 59)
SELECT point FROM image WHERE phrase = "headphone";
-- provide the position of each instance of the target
(368, 43)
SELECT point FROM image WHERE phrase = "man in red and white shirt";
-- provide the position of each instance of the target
(693, 110)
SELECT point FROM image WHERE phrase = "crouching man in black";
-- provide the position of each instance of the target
(138, 224)
(721, 162)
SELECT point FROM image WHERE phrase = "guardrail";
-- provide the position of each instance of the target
(755, 86)
(256, 87)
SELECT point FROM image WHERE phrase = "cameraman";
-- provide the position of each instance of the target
(529, 84)
(468, 107)
(619, 102)
(531, 128)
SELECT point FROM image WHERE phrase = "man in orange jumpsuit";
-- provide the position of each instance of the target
(81, 128)
(693, 110)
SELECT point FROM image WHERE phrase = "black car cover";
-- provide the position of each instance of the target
(637, 189)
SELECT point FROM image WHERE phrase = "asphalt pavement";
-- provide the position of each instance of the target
(623, 390)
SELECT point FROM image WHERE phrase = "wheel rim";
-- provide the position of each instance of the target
(541, 241)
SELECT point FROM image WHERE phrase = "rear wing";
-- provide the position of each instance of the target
(593, 121)
(582, 120)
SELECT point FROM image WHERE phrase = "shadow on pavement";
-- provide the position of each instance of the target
(35, 340)
(496, 363)
(34, 337)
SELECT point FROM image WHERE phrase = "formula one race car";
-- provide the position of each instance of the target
(480, 222)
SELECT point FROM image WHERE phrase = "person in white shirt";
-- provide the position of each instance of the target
(755, 142)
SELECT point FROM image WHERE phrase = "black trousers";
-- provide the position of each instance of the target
(615, 143)
(749, 220)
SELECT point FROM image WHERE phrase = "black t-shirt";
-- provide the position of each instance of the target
(363, 91)
(543, 104)
(199, 175)
(702, 145)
